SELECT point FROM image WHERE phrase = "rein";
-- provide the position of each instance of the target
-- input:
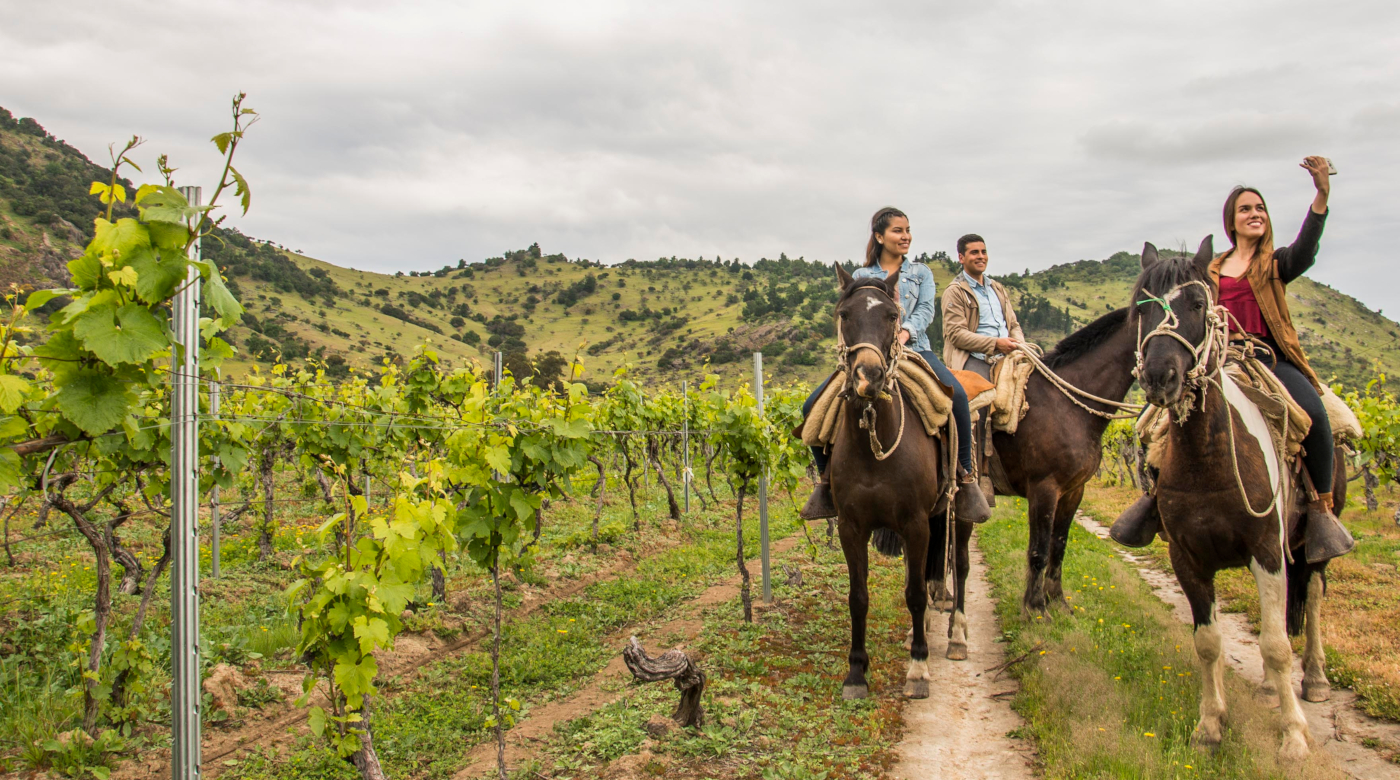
(1070, 391)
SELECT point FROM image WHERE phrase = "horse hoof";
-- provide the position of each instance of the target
(956, 652)
(1204, 740)
(916, 689)
(851, 692)
(1316, 692)
(943, 605)
(1293, 750)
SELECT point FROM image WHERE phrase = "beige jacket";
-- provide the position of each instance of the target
(960, 319)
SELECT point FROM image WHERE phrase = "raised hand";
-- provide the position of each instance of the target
(1317, 166)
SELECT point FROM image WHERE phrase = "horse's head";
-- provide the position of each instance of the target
(867, 326)
(1172, 304)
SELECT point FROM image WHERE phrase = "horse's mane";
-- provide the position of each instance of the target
(1162, 276)
(1085, 340)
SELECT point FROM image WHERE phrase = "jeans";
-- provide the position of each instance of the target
(1318, 443)
(961, 416)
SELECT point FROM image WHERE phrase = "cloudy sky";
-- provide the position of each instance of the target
(400, 136)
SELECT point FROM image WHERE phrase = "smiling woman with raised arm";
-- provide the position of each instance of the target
(1252, 279)
(885, 253)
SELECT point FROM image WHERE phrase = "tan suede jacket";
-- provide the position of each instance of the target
(960, 319)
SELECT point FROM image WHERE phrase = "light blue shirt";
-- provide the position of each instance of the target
(991, 320)
(917, 293)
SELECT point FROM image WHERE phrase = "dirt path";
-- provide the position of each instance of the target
(1337, 724)
(609, 684)
(961, 730)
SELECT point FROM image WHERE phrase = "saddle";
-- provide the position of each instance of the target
(1287, 422)
(930, 398)
(1009, 376)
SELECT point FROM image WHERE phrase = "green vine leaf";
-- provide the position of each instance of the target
(94, 401)
(131, 334)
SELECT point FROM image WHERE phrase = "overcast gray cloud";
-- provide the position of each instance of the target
(405, 136)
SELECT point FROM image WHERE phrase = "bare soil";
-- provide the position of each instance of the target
(963, 729)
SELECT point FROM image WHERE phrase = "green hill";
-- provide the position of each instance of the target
(666, 317)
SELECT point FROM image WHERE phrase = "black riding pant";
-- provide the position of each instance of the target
(1318, 443)
(961, 417)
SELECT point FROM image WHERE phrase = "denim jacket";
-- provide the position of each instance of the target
(917, 293)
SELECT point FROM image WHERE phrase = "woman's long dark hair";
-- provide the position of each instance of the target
(878, 225)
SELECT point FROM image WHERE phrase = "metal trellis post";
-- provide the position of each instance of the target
(762, 486)
(497, 372)
(214, 530)
(184, 519)
(685, 444)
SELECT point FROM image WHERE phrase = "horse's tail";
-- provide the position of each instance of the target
(1298, 572)
(887, 542)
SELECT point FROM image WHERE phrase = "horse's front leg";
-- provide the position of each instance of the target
(1278, 659)
(1059, 542)
(1199, 588)
(854, 543)
(1316, 686)
(1042, 499)
(916, 537)
(957, 623)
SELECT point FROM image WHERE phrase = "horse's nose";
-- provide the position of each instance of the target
(1161, 384)
(868, 380)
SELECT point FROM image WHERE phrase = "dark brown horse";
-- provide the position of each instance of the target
(1054, 452)
(900, 489)
(1224, 499)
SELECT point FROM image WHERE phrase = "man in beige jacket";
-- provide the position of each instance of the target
(978, 320)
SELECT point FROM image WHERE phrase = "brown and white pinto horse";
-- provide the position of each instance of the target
(902, 488)
(1224, 499)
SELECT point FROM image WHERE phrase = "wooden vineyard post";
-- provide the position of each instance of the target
(184, 519)
(762, 486)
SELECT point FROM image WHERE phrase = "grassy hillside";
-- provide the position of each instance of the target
(665, 317)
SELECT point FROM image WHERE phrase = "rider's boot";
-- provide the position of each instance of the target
(1138, 524)
(820, 506)
(969, 504)
(1326, 537)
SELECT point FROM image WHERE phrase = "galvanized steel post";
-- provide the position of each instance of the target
(214, 530)
(685, 443)
(184, 519)
(762, 486)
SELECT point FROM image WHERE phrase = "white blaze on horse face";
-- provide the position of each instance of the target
(871, 302)
(1254, 423)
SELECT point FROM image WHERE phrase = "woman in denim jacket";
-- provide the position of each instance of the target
(885, 254)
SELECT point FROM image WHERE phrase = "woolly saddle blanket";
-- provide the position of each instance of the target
(1285, 420)
(930, 398)
(1009, 405)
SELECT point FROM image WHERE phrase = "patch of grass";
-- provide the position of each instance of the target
(773, 698)
(1361, 614)
(1113, 690)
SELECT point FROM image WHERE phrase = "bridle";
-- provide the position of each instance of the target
(889, 380)
(1212, 345)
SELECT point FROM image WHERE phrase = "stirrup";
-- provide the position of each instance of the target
(969, 503)
(1138, 524)
(1325, 537)
(820, 506)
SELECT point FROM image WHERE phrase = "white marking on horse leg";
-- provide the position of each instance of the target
(1278, 660)
(1316, 687)
(957, 637)
(916, 679)
(1211, 727)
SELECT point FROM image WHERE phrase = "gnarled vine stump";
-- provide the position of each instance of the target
(672, 665)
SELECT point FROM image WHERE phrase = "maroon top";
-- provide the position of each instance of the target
(1237, 296)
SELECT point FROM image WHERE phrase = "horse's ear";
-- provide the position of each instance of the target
(892, 284)
(842, 277)
(1205, 254)
(1149, 255)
